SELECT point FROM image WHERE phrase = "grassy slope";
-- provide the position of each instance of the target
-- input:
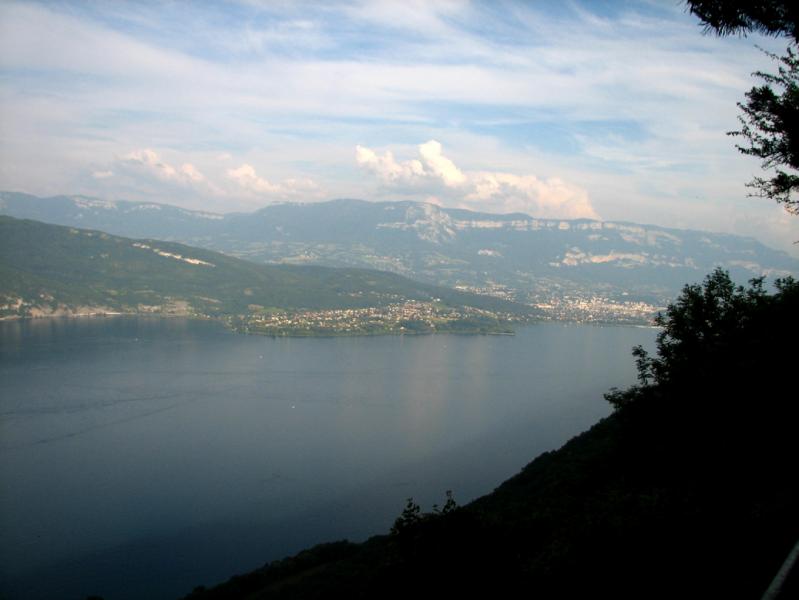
(80, 267)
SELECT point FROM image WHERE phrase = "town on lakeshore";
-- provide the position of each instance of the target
(409, 317)
(575, 307)
(414, 317)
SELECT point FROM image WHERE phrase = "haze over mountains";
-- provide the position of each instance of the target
(515, 256)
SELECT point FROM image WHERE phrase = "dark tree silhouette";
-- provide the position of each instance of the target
(410, 517)
(770, 125)
(412, 514)
(770, 119)
(707, 331)
(725, 17)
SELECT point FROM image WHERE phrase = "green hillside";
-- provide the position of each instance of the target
(46, 269)
(687, 491)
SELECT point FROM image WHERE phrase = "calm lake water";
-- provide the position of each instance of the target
(142, 457)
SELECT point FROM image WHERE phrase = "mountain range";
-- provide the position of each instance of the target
(514, 256)
(56, 270)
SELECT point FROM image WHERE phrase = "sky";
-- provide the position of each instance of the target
(604, 110)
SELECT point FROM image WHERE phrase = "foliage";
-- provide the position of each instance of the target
(725, 17)
(703, 331)
(412, 515)
(770, 124)
(449, 505)
(770, 119)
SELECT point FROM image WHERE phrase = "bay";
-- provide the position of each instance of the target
(140, 457)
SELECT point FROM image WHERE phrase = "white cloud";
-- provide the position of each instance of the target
(144, 174)
(478, 190)
(440, 165)
(433, 166)
(147, 162)
(191, 172)
(247, 179)
(388, 169)
(197, 180)
(150, 161)
(550, 198)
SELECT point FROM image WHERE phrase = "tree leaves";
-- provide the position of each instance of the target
(770, 125)
(704, 331)
(770, 120)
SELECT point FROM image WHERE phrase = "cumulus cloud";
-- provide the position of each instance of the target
(149, 162)
(388, 169)
(190, 171)
(246, 177)
(552, 197)
(480, 190)
(440, 165)
(144, 169)
(434, 166)
(144, 173)
(248, 180)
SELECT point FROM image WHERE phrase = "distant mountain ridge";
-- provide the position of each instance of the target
(55, 270)
(511, 255)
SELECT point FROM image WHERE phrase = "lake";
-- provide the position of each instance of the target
(140, 457)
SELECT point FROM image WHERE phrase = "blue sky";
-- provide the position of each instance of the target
(610, 110)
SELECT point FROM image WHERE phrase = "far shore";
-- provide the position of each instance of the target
(222, 321)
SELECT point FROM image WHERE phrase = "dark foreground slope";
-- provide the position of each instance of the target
(688, 490)
(47, 269)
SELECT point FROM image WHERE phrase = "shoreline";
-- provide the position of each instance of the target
(221, 319)
(228, 327)
(102, 314)
(69, 316)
